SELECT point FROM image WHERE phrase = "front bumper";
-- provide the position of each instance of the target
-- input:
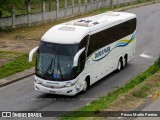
(69, 91)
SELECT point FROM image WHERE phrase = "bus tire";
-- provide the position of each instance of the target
(120, 64)
(125, 61)
(86, 85)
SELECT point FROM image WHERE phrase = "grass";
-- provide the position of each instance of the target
(156, 85)
(20, 63)
(142, 92)
(9, 54)
(96, 106)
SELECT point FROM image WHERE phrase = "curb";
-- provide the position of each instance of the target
(29, 72)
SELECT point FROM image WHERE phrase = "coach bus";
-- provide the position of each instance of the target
(73, 55)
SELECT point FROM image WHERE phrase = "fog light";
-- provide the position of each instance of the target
(38, 81)
(69, 91)
(37, 87)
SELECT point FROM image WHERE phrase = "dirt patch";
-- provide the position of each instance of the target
(125, 103)
(20, 40)
(17, 45)
(7, 56)
(12, 45)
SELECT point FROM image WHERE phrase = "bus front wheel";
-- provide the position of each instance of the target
(85, 85)
(125, 61)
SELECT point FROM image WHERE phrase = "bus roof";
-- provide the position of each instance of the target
(74, 31)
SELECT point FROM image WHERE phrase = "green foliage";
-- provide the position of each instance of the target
(20, 5)
(19, 64)
(146, 87)
(6, 5)
(158, 62)
(142, 92)
(139, 94)
(156, 84)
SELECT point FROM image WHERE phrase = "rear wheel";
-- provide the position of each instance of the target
(119, 67)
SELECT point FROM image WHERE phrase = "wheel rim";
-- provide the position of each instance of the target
(85, 86)
(119, 65)
(124, 63)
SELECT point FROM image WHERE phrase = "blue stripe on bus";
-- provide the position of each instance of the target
(121, 44)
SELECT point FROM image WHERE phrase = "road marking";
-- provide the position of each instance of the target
(145, 56)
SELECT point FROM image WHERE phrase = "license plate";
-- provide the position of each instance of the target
(53, 92)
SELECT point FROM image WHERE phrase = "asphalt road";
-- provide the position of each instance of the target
(20, 96)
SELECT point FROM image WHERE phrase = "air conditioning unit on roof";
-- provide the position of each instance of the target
(111, 13)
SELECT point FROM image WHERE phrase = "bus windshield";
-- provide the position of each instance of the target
(55, 61)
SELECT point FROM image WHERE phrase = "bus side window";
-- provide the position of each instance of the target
(82, 57)
(110, 35)
(81, 63)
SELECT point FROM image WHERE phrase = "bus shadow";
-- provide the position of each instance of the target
(107, 77)
(56, 97)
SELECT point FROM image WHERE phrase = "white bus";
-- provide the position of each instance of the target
(72, 56)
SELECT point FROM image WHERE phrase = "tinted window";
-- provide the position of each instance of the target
(55, 61)
(110, 35)
(82, 57)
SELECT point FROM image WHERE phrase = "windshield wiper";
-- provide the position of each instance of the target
(58, 66)
(52, 64)
(50, 67)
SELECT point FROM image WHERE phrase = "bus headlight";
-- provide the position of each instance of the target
(38, 81)
(68, 84)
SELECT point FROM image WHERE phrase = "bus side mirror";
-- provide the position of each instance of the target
(31, 53)
(76, 57)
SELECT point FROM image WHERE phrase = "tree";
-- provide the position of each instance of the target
(6, 5)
